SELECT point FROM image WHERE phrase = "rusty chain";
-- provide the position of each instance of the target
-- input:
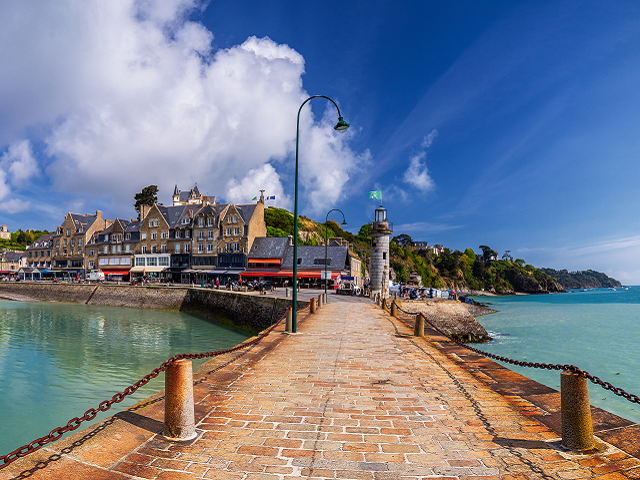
(105, 405)
(545, 366)
(548, 366)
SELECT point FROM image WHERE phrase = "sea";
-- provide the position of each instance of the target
(598, 330)
(59, 360)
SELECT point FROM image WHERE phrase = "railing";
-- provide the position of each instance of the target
(105, 405)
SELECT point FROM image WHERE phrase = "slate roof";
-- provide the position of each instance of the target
(12, 257)
(246, 211)
(309, 253)
(269, 247)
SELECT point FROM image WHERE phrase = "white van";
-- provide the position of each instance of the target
(96, 276)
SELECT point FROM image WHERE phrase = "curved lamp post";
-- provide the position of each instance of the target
(341, 126)
(326, 244)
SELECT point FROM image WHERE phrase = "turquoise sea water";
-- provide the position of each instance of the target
(596, 330)
(59, 360)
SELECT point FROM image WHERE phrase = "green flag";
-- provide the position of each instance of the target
(254, 199)
(376, 194)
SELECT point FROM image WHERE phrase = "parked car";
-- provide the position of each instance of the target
(345, 289)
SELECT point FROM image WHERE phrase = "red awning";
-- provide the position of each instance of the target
(274, 261)
(116, 272)
(286, 273)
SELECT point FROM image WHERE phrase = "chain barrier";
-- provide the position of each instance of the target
(105, 405)
(544, 366)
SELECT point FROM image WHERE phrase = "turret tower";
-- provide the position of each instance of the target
(381, 229)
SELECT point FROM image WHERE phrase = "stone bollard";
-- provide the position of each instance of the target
(313, 306)
(324, 298)
(418, 330)
(395, 295)
(384, 304)
(319, 301)
(179, 418)
(289, 327)
(394, 309)
(246, 289)
(286, 292)
(575, 411)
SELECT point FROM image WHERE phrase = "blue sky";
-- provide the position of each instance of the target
(510, 124)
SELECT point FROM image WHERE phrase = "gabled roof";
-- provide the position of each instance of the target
(269, 247)
(246, 211)
(12, 257)
(83, 220)
(309, 253)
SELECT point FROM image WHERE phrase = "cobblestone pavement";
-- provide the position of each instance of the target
(352, 396)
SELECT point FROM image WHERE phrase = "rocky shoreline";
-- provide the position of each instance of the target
(456, 319)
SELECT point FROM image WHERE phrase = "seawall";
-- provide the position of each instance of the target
(243, 310)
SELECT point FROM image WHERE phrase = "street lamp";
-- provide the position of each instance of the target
(326, 244)
(341, 126)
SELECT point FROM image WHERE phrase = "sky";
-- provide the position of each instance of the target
(509, 124)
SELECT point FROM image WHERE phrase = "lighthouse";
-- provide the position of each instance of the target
(379, 271)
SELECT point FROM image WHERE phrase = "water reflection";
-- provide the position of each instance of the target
(58, 360)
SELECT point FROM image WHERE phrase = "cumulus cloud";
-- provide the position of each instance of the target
(19, 162)
(129, 93)
(417, 174)
(265, 178)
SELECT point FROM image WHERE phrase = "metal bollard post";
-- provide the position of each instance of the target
(384, 304)
(179, 417)
(319, 301)
(418, 330)
(289, 327)
(286, 292)
(575, 411)
(394, 309)
(313, 305)
(324, 298)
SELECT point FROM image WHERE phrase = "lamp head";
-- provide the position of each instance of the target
(344, 223)
(341, 126)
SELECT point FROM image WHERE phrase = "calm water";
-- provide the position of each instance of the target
(57, 360)
(596, 330)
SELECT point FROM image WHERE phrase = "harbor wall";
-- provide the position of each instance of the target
(243, 310)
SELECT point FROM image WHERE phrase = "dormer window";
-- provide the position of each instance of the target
(185, 221)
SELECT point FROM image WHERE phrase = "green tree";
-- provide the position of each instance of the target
(403, 240)
(148, 196)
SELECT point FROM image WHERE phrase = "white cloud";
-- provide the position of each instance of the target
(4, 187)
(19, 162)
(265, 178)
(15, 206)
(425, 227)
(428, 140)
(129, 94)
(417, 174)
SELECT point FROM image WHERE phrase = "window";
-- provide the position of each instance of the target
(30, 254)
(236, 231)
(127, 236)
(163, 249)
(151, 223)
(79, 242)
(164, 235)
(209, 247)
(163, 261)
(106, 249)
(104, 261)
(210, 222)
(384, 255)
(144, 235)
(114, 261)
(177, 248)
(65, 242)
(210, 234)
(144, 249)
(68, 232)
(185, 221)
(125, 261)
(320, 261)
(227, 247)
(113, 249)
(200, 234)
(228, 232)
(200, 248)
(155, 222)
(48, 254)
(177, 233)
(186, 234)
(126, 248)
(119, 248)
(187, 247)
(153, 249)
(236, 247)
(201, 222)
(92, 264)
(57, 243)
(139, 261)
(153, 236)
(235, 219)
(152, 261)
(73, 243)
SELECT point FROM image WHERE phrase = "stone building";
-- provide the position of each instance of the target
(38, 254)
(5, 234)
(69, 242)
(192, 197)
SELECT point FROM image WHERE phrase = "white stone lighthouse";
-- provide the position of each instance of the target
(379, 271)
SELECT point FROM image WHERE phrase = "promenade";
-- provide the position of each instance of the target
(352, 396)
